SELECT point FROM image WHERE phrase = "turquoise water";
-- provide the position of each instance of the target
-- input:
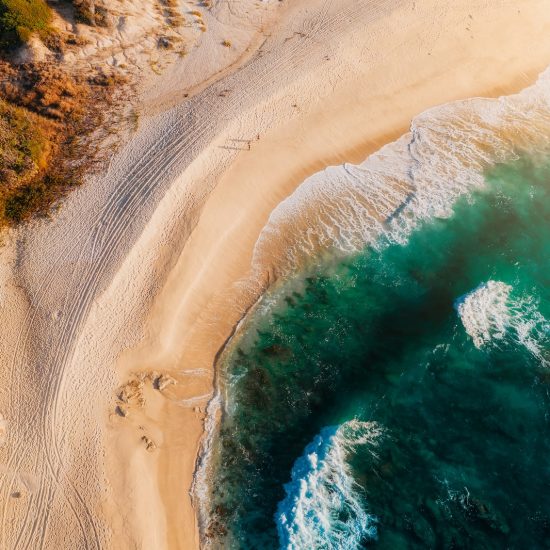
(399, 398)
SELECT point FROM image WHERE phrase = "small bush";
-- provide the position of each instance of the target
(23, 142)
(19, 19)
(22, 202)
(84, 12)
(53, 40)
(46, 90)
(101, 16)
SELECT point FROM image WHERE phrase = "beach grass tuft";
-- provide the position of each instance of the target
(19, 19)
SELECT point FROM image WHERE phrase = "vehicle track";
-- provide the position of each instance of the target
(134, 192)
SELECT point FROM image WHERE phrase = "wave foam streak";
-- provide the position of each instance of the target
(484, 312)
(418, 177)
(323, 508)
(491, 316)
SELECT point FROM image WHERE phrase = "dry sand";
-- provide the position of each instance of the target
(146, 270)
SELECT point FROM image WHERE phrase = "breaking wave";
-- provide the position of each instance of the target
(303, 340)
(484, 312)
(490, 315)
(418, 177)
(323, 507)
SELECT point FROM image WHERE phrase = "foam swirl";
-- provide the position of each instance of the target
(418, 177)
(492, 316)
(322, 507)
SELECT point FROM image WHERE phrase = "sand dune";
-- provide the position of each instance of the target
(113, 311)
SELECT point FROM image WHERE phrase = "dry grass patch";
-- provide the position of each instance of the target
(175, 19)
(24, 144)
(45, 116)
(91, 12)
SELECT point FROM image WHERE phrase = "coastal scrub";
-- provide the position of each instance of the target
(19, 19)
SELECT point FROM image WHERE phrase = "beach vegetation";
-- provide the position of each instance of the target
(134, 119)
(23, 142)
(91, 13)
(153, 64)
(226, 43)
(172, 13)
(175, 19)
(50, 119)
(26, 145)
(20, 19)
(46, 118)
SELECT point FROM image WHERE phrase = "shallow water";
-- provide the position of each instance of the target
(399, 398)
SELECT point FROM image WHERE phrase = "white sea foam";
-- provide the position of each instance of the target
(492, 316)
(200, 487)
(383, 199)
(484, 312)
(418, 177)
(533, 330)
(323, 507)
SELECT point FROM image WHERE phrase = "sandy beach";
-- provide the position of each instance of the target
(116, 309)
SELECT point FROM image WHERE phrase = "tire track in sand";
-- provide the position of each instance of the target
(188, 133)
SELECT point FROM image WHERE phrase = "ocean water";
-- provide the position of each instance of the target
(397, 395)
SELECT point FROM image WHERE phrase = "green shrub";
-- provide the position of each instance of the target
(23, 202)
(24, 151)
(23, 144)
(20, 18)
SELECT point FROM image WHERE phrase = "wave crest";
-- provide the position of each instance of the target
(344, 208)
(323, 507)
(490, 315)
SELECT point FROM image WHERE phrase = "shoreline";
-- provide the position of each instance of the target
(117, 308)
(219, 299)
(217, 400)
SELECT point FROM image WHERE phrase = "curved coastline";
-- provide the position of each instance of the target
(208, 316)
(148, 269)
(410, 207)
(339, 342)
